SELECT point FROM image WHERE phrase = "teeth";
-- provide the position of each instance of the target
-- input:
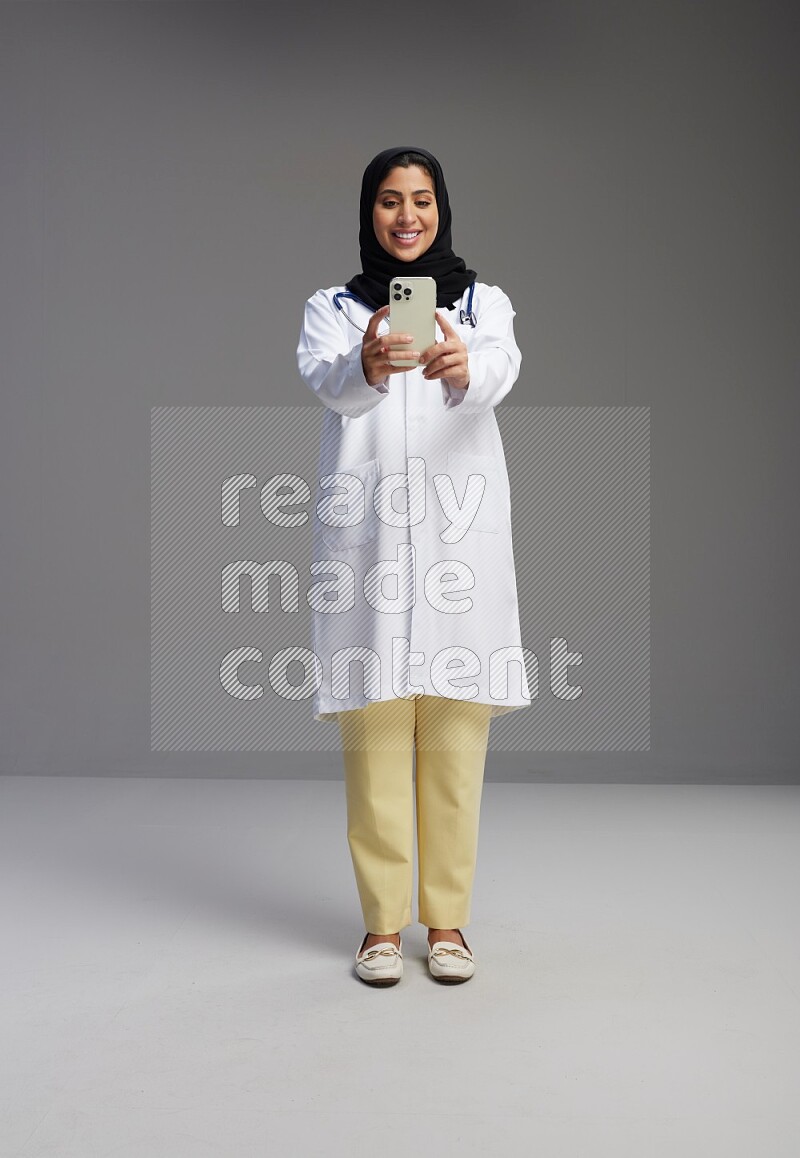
(407, 236)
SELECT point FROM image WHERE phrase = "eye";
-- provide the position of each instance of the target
(388, 204)
(423, 204)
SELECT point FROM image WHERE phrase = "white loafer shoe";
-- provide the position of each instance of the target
(450, 962)
(381, 964)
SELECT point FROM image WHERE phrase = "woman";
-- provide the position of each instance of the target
(420, 580)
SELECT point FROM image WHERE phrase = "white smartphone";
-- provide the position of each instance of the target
(412, 309)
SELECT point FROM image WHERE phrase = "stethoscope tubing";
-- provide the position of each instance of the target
(466, 317)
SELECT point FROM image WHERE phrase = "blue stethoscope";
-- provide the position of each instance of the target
(465, 317)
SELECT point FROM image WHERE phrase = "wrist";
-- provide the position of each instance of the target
(367, 379)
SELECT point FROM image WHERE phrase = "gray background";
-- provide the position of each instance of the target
(178, 178)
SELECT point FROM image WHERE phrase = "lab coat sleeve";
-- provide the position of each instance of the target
(494, 357)
(329, 367)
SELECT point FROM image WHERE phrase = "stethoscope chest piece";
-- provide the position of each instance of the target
(467, 316)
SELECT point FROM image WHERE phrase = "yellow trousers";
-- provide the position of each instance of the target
(451, 737)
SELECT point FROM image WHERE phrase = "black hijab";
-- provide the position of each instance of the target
(378, 266)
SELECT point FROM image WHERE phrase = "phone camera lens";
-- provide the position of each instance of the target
(407, 292)
(398, 286)
(398, 297)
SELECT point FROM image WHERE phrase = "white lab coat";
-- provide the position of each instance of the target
(440, 595)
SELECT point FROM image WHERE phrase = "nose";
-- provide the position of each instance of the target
(406, 214)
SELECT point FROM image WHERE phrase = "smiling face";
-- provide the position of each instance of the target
(405, 216)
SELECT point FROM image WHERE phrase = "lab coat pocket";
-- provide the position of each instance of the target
(491, 513)
(345, 506)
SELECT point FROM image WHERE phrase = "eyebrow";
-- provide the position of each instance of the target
(397, 192)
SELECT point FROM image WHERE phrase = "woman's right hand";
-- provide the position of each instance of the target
(375, 350)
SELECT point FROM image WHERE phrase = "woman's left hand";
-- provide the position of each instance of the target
(447, 359)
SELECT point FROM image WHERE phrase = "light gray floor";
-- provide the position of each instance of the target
(177, 977)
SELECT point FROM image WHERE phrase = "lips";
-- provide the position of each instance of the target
(407, 237)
